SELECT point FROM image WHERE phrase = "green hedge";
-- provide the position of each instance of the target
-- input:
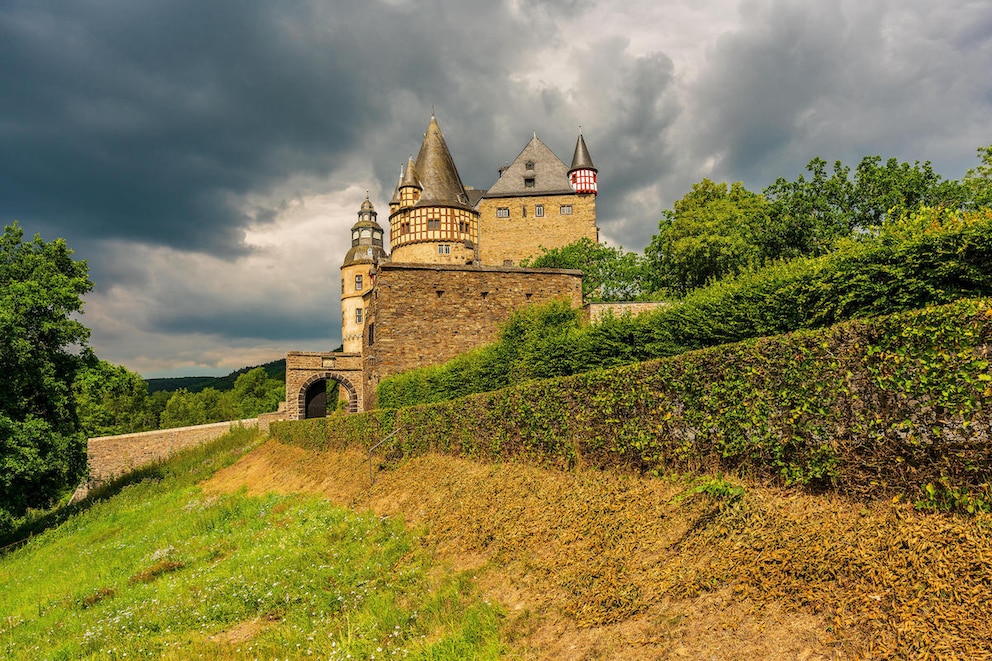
(929, 257)
(881, 406)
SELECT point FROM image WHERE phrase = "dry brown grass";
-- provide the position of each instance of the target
(600, 565)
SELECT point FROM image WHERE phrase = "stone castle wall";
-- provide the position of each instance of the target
(423, 314)
(113, 456)
(596, 311)
(523, 234)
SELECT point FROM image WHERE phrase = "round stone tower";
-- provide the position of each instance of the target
(356, 275)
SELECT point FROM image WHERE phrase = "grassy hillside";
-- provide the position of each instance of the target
(275, 370)
(162, 570)
(240, 550)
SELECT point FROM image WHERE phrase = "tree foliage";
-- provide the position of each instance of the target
(110, 399)
(42, 452)
(713, 232)
(608, 273)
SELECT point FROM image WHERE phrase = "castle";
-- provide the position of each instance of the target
(452, 273)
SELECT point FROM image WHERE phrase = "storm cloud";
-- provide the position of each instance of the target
(207, 158)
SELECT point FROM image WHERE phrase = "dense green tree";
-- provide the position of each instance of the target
(608, 273)
(185, 408)
(978, 180)
(825, 207)
(42, 451)
(713, 232)
(254, 392)
(110, 399)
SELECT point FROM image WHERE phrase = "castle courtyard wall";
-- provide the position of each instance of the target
(422, 314)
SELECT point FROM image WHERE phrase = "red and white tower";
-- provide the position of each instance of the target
(582, 174)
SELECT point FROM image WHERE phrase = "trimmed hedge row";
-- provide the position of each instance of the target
(890, 405)
(929, 257)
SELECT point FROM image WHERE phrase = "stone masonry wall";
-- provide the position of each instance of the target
(596, 311)
(427, 314)
(519, 236)
(113, 456)
(304, 366)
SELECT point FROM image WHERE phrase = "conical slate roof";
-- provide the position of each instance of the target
(581, 160)
(535, 171)
(409, 176)
(437, 172)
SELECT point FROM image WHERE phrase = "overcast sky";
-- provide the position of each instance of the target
(208, 158)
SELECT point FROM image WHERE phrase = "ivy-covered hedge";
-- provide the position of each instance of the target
(881, 406)
(929, 257)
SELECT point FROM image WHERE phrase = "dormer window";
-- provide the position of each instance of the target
(528, 182)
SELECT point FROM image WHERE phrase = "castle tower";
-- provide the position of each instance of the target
(356, 274)
(583, 174)
(534, 204)
(434, 221)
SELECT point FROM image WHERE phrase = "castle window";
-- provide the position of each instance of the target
(462, 226)
(566, 210)
(528, 182)
(539, 210)
(342, 285)
(523, 211)
(444, 249)
(371, 334)
(433, 224)
(530, 165)
(358, 315)
(358, 282)
(405, 228)
(502, 212)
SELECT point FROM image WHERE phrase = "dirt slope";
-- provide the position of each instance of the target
(593, 565)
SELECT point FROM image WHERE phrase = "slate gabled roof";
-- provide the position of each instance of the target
(548, 172)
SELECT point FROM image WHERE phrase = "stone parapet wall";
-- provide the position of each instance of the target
(113, 456)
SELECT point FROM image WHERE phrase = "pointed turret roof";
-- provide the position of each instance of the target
(409, 176)
(437, 172)
(581, 160)
(535, 171)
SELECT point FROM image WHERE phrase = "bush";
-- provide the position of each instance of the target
(869, 407)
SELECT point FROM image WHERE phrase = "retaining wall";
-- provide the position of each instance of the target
(113, 456)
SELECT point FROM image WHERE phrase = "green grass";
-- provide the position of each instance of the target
(159, 569)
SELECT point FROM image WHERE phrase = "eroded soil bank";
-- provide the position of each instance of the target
(600, 565)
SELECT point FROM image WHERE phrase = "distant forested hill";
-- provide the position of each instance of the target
(276, 370)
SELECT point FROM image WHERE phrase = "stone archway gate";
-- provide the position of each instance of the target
(303, 368)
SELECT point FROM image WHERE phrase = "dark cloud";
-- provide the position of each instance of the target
(843, 81)
(158, 136)
(146, 122)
